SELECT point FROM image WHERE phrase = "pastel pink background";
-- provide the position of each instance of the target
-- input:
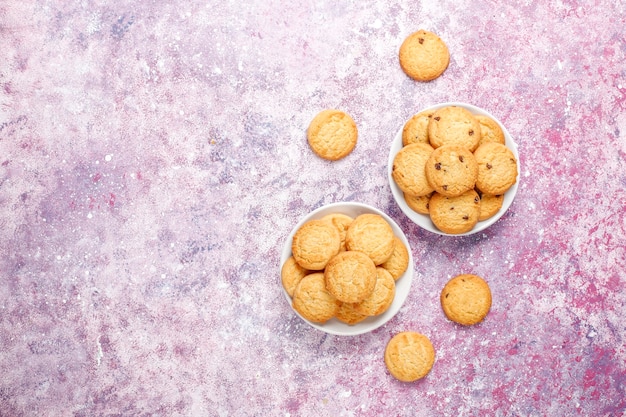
(153, 159)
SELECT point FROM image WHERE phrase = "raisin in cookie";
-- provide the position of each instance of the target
(455, 215)
(466, 299)
(454, 125)
(497, 168)
(424, 56)
(451, 170)
(415, 130)
(409, 169)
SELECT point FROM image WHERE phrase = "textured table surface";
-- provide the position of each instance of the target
(153, 159)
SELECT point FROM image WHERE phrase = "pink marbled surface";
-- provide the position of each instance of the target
(153, 159)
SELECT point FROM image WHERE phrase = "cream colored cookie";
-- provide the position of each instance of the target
(291, 273)
(332, 134)
(497, 168)
(490, 130)
(398, 262)
(489, 205)
(312, 301)
(381, 298)
(416, 128)
(466, 299)
(418, 204)
(455, 215)
(314, 243)
(409, 356)
(350, 276)
(454, 125)
(349, 315)
(424, 56)
(371, 234)
(341, 222)
(451, 170)
(409, 169)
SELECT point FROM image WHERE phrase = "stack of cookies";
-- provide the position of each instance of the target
(344, 268)
(454, 166)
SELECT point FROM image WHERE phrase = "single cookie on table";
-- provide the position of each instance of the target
(350, 276)
(409, 169)
(416, 128)
(341, 222)
(409, 356)
(451, 170)
(490, 130)
(418, 204)
(497, 168)
(381, 298)
(454, 125)
(349, 315)
(314, 243)
(489, 205)
(332, 134)
(371, 234)
(466, 299)
(291, 273)
(424, 56)
(455, 215)
(398, 262)
(312, 300)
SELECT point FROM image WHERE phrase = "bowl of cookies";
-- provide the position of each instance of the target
(346, 268)
(453, 169)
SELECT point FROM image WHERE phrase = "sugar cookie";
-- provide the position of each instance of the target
(312, 301)
(350, 276)
(409, 356)
(371, 234)
(332, 134)
(314, 243)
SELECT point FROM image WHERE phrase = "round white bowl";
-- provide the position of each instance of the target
(403, 284)
(423, 220)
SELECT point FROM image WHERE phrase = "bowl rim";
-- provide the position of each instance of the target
(403, 283)
(424, 220)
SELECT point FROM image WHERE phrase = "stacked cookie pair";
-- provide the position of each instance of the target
(343, 267)
(454, 166)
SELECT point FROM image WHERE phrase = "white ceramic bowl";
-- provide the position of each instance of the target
(403, 284)
(423, 220)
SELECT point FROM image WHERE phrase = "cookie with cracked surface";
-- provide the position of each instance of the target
(418, 204)
(341, 222)
(312, 300)
(455, 215)
(490, 130)
(371, 234)
(314, 243)
(497, 168)
(454, 125)
(424, 56)
(409, 169)
(332, 134)
(291, 274)
(489, 205)
(409, 356)
(381, 298)
(415, 130)
(398, 262)
(451, 170)
(349, 315)
(350, 276)
(466, 299)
